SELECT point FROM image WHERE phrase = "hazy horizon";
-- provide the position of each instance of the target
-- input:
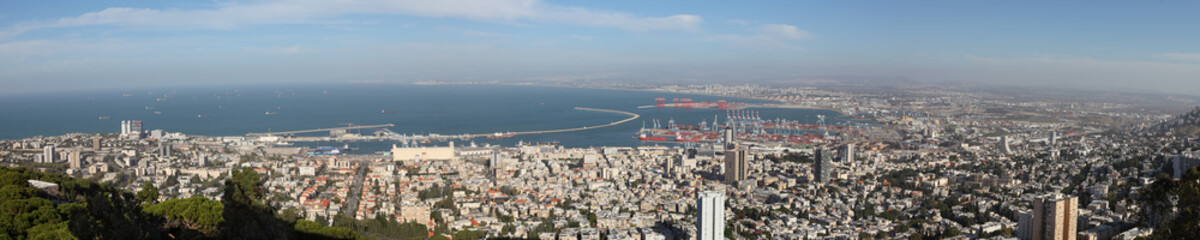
(1118, 46)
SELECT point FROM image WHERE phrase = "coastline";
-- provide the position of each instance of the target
(775, 104)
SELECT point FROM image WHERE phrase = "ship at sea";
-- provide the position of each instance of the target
(501, 135)
(328, 151)
(647, 137)
(386, 111)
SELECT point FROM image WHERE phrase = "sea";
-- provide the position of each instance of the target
(414, 109)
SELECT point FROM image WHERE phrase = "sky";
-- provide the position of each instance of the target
(1141, 46)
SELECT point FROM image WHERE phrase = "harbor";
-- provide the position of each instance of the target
(382, 133)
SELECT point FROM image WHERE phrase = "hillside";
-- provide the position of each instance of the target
(1184, 125)
(53, 206)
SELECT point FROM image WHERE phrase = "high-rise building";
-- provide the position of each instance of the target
(495, 165)
(730, 138)
(822, 165)
(736, 167)
(669, 167)
(1005, 144)
(1182, 163)
(847, 153)
(1053, 218)
(710, 225)
(164, 149)
(131, 129)
(96, 144)
(75, 159)
(48, 155)
(1054, 138)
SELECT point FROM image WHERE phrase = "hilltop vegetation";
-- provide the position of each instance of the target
(83, 209)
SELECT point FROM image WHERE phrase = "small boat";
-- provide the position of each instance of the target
(127, 95)
(160, 99)
(104, 118)
(149, 108)
(270, 113)
(386, 111)
(201, 116)
(157, 112)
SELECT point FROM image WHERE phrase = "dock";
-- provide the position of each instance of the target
(631, 117)
(396, 136)
(336, 129)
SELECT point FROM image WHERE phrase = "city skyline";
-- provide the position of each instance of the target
(1097, 46)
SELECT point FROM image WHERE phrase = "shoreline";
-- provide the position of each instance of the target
(775, 104)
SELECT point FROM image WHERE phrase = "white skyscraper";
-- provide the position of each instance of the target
(711, 222)
(124, 128)
(730, 138)
(48, 155)
(131, 129)
(848, 153)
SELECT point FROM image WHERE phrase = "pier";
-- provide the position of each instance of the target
(390, 135)
(632, 116)
(336, 129)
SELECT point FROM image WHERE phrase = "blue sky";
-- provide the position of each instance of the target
(70, 45)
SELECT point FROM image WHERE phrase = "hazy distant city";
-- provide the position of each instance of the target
(288, 119)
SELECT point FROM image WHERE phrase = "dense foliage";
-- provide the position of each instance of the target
(1173, 207)
(83, 209)
(195, 213)
(382, 227)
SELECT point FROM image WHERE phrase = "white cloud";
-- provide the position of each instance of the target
(584, 17)
(766, 37)
(1181, 56)
(784, 31)
(321, 11)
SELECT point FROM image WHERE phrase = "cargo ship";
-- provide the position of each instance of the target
(680, 138)
(642, 136)
(501, 135)
(386, 111)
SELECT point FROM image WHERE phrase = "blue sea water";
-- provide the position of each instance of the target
(443, 109)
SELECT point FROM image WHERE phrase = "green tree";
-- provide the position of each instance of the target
(246, 215)
(196, 213)
(148, 194)
(1183, 196)
(468, 234)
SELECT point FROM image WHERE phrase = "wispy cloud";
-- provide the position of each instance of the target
(235, 15)
(783, 31)
(767, 37)
(1181, 56)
